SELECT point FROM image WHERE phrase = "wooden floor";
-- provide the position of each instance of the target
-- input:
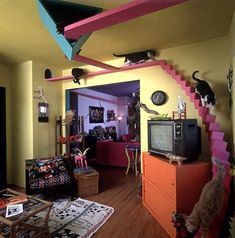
(130, 218)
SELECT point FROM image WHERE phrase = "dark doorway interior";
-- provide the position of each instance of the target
(3, 166)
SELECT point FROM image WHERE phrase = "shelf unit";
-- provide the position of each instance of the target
(64, 132)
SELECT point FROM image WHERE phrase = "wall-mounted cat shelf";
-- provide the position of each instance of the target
(77, 22)
(107, 71)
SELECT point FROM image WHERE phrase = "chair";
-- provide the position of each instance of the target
(134, 150)
(52, 174)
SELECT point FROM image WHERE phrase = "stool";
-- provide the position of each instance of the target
(134, 150)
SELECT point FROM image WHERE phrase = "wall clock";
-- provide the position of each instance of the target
(158, 97)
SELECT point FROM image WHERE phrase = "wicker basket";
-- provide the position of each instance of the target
(88, 184)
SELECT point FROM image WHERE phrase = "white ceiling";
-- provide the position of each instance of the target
(23, 36)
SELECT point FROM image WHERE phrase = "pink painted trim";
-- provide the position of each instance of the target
(114, 16)
(89, 61)
(96, 73)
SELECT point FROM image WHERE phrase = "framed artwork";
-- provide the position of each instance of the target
(96, 114)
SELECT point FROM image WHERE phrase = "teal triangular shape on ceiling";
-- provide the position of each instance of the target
(57, 14)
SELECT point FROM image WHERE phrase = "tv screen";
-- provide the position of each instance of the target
(161, 137)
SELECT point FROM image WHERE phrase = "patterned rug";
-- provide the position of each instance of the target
(80, 218)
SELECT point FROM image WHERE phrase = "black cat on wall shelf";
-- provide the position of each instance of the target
(137, 57)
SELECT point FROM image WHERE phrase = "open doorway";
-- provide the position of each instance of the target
(118, 105)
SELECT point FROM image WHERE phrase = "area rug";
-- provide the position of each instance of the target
(80, 218)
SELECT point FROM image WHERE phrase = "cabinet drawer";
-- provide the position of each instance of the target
(160, 206)
(161, 174)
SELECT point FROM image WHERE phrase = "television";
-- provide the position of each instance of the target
(179, 137)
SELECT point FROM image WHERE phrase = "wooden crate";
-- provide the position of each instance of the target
(87, 183)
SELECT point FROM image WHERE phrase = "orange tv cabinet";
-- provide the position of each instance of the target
(168, 187)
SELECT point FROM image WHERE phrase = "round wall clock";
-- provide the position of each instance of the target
(158, 97)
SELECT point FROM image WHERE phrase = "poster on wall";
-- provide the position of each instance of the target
(96, 114)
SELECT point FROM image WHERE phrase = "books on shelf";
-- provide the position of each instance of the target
(10, 199)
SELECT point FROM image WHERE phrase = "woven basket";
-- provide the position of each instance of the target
(88, 184)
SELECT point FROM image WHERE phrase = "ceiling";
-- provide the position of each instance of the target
(23, 36)
(118, 89)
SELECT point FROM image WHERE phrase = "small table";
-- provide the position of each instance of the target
(134, 149)
(9, 227)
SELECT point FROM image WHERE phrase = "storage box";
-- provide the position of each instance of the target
(88, 183)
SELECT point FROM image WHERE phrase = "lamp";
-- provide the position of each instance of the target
(119, 118)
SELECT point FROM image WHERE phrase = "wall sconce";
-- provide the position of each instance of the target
(43, 107)
(43, 112)
(119, 118)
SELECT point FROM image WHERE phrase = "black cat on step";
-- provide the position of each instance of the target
(204, 90)
(137, 57)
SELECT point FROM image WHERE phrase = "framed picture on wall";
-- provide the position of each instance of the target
(96, 114)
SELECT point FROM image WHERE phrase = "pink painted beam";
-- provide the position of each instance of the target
(89, 61)
(124, 68)
(100, 72)
(117, 15)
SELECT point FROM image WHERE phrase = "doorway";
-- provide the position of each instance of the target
(126, 119)
(3, 166)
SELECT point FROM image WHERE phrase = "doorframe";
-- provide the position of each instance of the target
(3, 142)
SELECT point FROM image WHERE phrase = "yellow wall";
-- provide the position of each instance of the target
(209, 57)
(44, 133)
(30, 138)
(21, 119)
(5, 82)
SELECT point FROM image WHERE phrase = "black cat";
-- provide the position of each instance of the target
(137, 57)
(77, 73)
(204, 90)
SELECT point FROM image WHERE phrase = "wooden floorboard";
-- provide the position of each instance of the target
(130, 218)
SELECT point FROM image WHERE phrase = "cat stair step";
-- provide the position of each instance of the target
(220, 154)
(162, 63)
(189, 90)
(167, 68)
(202, 110)
(211, 126)
(218, 145)
(215, 135)
(179, 78)
(197, 103)
(172, 72)
(184, 84)
(194, 97)
(208, 118)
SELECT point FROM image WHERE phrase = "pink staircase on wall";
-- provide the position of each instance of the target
(215, 139)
